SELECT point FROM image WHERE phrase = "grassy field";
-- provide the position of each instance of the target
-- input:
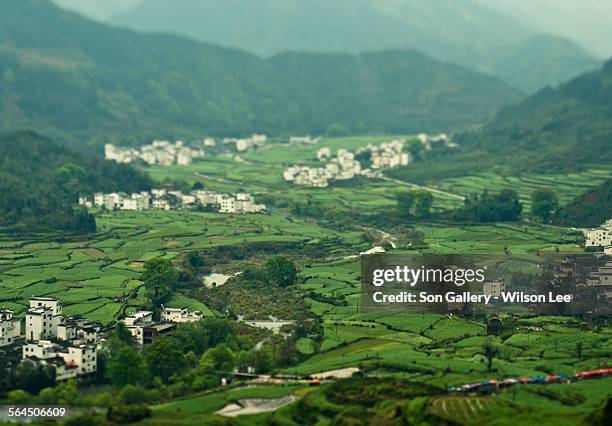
(200, 409)
(443, 350)
(87, 275)
(261, 171)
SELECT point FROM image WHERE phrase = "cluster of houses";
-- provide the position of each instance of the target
(430, 141)
(164, 199)
(245, 144)
(367, 161)
(342, 167)
(70, 345)
(145, 331)
(166, 153)
(600, 237)
(346, 165)
(162, 153)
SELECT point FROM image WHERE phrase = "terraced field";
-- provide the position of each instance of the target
(89, 275)
(566, 186)
(261, 172)
(445, 350)
(201, 409)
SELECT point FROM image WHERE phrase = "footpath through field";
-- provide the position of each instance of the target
(424, 188)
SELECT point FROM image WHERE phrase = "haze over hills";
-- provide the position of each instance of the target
(554, 130)
(463, 32)
(89, 83)
(588, 22)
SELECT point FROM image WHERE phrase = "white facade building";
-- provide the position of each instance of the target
(83, 356)
(167, 200)
(40, 324)
(10, 328)
(600, 237)
(180, 315)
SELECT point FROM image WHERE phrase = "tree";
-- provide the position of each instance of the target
(424, 201)
(32, 377)
(64, 394)
(120, 336)
(508, 205)
(280, 271)
(579, 350)
(501, 207)
(415, 148)
(160, 279)
(264, 359)
(218, 359)
(125, 367)
(405, 202)
(490, 350)
(164, 358)
(18, 396)
(131, 394)
(544, 204)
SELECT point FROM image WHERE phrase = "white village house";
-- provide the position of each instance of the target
(163, 199)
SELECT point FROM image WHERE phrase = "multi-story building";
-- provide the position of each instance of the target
(136, 323)
(180, 315)
(152, 332)
(600, 237)
(167, 200)
(49, 302)
(43, 318)
(69, 360)
(40, 324)
(10, 328)
(83, 356)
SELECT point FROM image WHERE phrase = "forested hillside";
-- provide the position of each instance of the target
(90, 83)
(589, 209)
(461, 31)
(40, 183)
(554, 130)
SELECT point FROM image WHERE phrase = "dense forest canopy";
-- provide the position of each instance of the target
(40, 182)
(589, 209)
(89, 83)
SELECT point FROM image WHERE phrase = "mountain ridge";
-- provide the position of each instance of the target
(89, 83)
(466, 33)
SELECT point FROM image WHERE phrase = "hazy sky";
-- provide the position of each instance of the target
(588, 22)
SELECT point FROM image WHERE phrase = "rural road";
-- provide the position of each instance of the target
(424, 188)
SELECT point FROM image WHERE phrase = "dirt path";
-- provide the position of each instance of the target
(424, 188)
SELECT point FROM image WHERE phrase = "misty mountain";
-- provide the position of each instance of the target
(542, 60)
(88, 83)
(462, 31)
(588, 22)
(555, 130)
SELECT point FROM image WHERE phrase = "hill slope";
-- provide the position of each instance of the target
(590, 209)
(554, 130)
(539, 61)
(466, 32)
(93, 83)
(40, 182)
